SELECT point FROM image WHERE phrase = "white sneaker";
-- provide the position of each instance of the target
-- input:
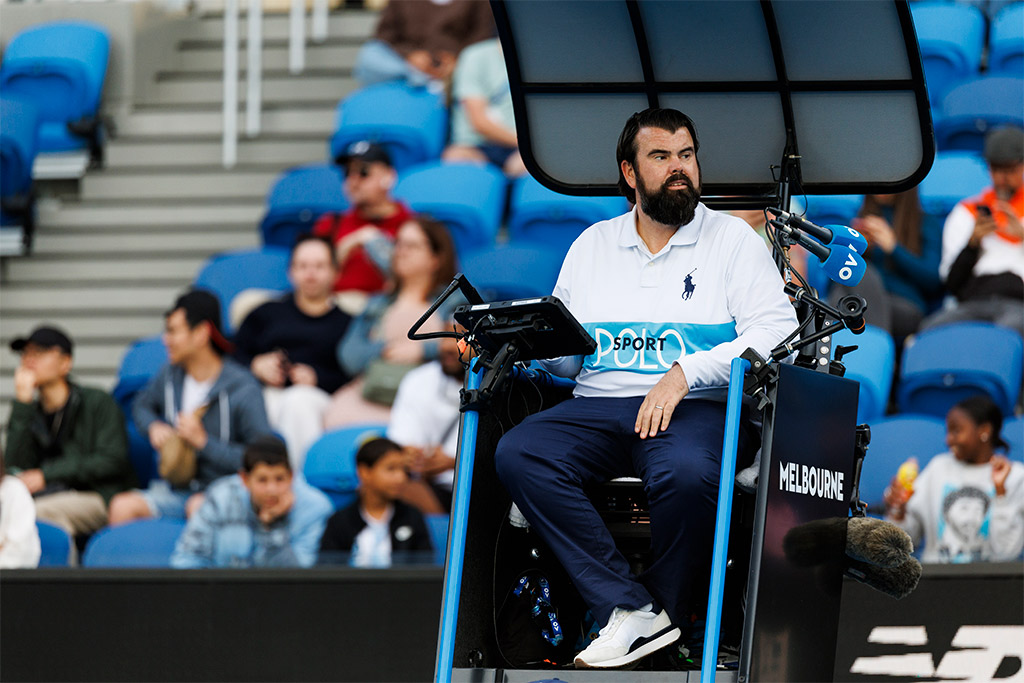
(628, 636)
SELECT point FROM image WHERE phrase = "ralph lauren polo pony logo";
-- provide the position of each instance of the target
(688, 285)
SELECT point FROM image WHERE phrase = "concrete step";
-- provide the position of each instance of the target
(101, 356)
(57, 299)
(208, 56)
(169, 244)
(199, 183)
(277, 88)
(344, 24)
(87, 216)
(151, 152)
(85, 327)
(81, 267)
(189, 121)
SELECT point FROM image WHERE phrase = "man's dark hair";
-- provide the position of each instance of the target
(669, 120)
(983, 410)
(266, 450)
(375, 449)
(304, 237)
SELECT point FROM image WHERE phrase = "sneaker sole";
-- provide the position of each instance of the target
(659, 640)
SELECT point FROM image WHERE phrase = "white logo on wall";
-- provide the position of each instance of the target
(810, 481)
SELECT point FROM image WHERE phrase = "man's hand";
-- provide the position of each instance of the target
(159, 433)
(434, 462)
(190, 428)
(300, 373)
(24, 384)
(420, 59)
(984, 224)
(273, 512)
(357, 238)
(1013, 224)
(661, 401)
(1000, 471)
(35, 482)
(269, 368)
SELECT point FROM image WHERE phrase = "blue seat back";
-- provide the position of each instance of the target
(143, 359)
(833, 209)
(231, 273)
(145, 543)
(951, 37)
(297, 199)
(893, 441)
(872, 366)
(540, 215)
(513, 271)
(54, 543)
(19, 140)
(411, 123)
(437, 525)
(1013, 434)
(468, 198)
(953, 176)
(970, 110)
(331, 461)
(944, 365)
(1006, 41)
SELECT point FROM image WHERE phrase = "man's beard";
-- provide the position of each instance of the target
(669, 207)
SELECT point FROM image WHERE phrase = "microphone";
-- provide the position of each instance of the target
(840, 263)
(829, 235)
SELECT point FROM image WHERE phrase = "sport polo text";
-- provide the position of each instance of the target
(811, 481)
(638, 349)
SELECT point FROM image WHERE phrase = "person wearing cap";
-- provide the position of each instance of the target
(208, 402)
(66, 442)
(372, 221)
(983, 242)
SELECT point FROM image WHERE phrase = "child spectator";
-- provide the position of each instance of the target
(377, 528)
(377, 342)
(967, 505)
(290, 347)
(66, 442)
(19, 537)
(260, 517)
(201, 407)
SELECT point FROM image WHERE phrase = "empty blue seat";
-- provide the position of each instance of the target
(513, 271)
(895, 440)
(298, 198)
(60, 67)
(231, 273)
(143, 359)
(1013, 434)
(145, 543)
(540, 215)
(872, 366)
(1006, 41)
(954, 176)
(833, 209)
(944, 365)
(411, 123)
(19, 139)
(54, 543)
(331, 461)
(437, 525)
(951, 37)
(972, 109)
(468, 198)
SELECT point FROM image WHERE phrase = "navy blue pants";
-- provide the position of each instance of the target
(545, 462)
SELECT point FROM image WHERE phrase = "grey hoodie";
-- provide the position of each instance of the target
(234, 417)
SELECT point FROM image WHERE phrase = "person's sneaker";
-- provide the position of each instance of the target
(628, 636)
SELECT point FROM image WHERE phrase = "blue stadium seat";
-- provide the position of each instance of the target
(953, 176)
(331, 461)
(871, 365)
(833, 209)
(951, 37)
(60, 66)
(231, 273)
(19, 138)
(893, 441)
(1013, 434)
(972, 109)
(411, 123)
(298, 198)
(141, 361)
(146, 543)
(944, 365)
(1006, 41)
(540, 215)
(55, 544)
(468, 198)
(513, 271)
(437, 525)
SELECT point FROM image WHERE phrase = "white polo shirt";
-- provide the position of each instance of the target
(708, 295)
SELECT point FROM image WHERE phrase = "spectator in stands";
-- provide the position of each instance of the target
(418, 41)
(376, 348)
(483, 124)
(19, 537)
(902, 278)
(968, 504)
(378, 527)
(260, 517)
(67, 442)
(425, 419)
(199, 411)
(375, 216)
(983, 242)
(290, 346)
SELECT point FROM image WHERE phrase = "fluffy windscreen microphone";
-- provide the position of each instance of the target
(897, 582)
(877, 542)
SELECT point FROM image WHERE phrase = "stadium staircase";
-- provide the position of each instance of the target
(113, 250)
